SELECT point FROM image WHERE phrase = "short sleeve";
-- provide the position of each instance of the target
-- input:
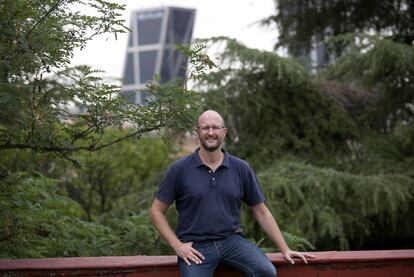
(253, 194)
(168, 187)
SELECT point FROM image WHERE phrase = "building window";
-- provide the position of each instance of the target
(179, 25)
(147, 61)
(180, 62)
(173, 65)
(166, 66)
(129, 70)
(149, 27)
(130, 43)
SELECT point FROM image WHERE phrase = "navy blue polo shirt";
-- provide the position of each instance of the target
(209, 203)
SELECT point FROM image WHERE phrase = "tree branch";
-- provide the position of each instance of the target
(92, 147)
(54, 7)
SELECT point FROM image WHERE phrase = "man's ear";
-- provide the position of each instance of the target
(195, 131)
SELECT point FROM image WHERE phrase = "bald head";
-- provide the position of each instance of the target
(210, 115)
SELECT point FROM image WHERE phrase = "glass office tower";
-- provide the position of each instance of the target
(151, 48)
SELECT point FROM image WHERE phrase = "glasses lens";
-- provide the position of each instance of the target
(207, 128)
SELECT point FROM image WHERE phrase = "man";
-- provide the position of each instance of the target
(208, 187)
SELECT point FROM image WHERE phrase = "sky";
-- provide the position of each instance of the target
(233, 18)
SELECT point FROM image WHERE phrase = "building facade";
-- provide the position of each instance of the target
(151, 48)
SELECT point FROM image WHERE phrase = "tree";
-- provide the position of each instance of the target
(39, 220)
(38, 39)
(374, 40)
(338, 210)
(302, 23)
(122, 176)
(288, 123)
(374, 74)
(272, 108)
(385, 67)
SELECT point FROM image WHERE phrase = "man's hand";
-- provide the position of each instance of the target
(186, 252)
(289, 254)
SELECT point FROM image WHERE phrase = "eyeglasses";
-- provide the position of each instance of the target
(208, 128)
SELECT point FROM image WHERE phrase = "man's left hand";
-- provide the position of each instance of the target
(289, 254)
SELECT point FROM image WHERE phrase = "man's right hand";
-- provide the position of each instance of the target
(186, 252)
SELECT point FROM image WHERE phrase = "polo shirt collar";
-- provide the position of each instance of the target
(198, 162)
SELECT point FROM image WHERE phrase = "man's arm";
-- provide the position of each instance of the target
(268, 223)
(184, 250)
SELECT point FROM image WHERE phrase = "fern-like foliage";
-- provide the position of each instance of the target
(334, 209)
(38, 220)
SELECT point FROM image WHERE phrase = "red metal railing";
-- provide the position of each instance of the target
(398, 263)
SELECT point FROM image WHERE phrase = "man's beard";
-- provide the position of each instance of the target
(210, 148)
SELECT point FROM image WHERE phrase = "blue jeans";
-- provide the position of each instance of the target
(233, 251)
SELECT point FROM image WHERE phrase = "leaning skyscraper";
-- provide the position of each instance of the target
(151, 48)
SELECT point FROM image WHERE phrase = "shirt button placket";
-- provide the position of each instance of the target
(213, 180)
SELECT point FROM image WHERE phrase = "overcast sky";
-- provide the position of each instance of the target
(232, 18)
